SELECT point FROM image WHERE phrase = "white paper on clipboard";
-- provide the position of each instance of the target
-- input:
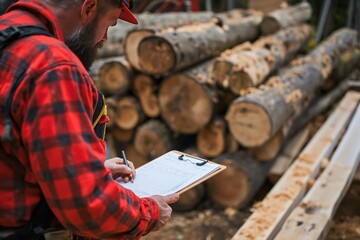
(168, 174)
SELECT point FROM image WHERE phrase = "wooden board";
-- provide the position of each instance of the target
(290, 152)
(311, 219)
(269, 215)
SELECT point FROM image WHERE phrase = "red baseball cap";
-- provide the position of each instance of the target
(125, 12)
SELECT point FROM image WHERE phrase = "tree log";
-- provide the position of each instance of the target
(257, 117)
(172, 51)
(211, 139)
(114, 46)
(146, 89)
(270, 149)
(281, 18)
(188, 100)
(131, 44)
(114, 75)
(346, 64)
(242, 179)
(247, 65)
(319, 106)
(152, 139)
(128, 113)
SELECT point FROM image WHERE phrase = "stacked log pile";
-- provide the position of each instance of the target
(172, 90)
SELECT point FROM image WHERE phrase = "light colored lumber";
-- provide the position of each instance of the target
(269, 215)
(288, 154)
(311, 219)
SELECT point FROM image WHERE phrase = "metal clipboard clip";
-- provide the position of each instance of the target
(202, 163)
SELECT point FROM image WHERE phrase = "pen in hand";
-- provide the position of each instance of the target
(123, 156)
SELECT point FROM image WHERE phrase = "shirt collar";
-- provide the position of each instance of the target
(43, 13)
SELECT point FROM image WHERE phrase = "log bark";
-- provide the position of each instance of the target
(321, 105)
(346, 64)
(152, 139)
(172, 51)
(248, 65)
(116, 35)
(271, 148)
(114, 75)
(189, 99)
(281, 18)
(146, 89)
(211, 139)
(238, 13)
(242, 179)
(128, 113)
(255, 118)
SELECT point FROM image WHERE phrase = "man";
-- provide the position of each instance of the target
(50, 152)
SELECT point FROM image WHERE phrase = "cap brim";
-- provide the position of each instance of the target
(127, 15)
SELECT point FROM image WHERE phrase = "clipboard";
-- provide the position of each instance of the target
(172, 172)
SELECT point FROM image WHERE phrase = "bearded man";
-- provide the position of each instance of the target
(52, 153)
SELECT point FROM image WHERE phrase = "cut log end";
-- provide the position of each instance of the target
(184, 104)
(152, 139)
(221, 187)
(144, 87)
(270, 149)
(239, 81)
(127, 115)
(269, 25)
(156, 55)
(221, 69)
(249, 123)
(114, 78)
(211, 139)
(131, 44)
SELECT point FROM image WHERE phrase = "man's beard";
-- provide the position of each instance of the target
(82, 43)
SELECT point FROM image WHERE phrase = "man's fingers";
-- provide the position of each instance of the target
(171, 198)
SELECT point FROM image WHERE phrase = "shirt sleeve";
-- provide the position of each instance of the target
(67, 158)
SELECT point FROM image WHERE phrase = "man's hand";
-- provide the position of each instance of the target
(119, 169)
(165, 209)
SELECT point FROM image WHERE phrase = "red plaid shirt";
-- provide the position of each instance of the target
(55, 151)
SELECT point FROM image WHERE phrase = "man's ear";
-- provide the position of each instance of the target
(88, 11)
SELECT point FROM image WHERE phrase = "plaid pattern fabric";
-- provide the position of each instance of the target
(55, 151)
